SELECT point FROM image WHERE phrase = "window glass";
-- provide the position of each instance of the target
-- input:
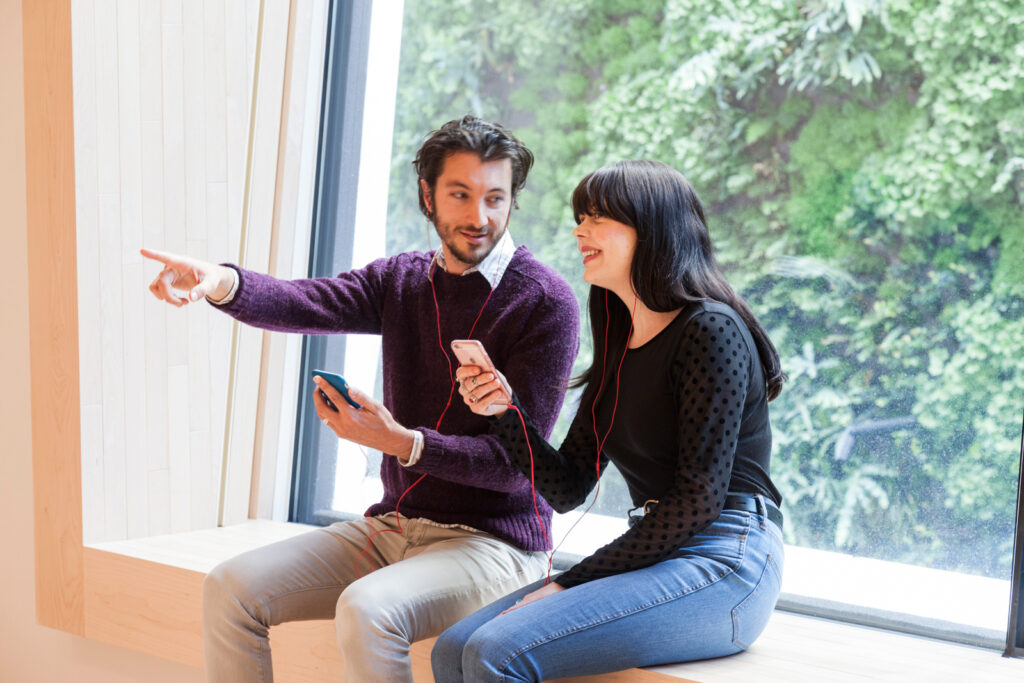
(861, 167)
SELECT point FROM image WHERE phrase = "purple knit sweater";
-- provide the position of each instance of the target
(530, 328)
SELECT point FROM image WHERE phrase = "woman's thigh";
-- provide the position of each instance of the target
(713, 600)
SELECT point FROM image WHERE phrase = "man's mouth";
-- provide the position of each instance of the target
(474, 237)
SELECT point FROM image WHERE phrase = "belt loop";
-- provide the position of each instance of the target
(762, 508)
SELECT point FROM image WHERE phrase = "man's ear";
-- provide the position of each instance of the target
(427, 196)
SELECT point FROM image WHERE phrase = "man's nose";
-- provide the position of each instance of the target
(480, 216)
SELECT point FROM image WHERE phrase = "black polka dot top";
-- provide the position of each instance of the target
(691, 425)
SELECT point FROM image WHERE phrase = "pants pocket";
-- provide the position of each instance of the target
(751, 615)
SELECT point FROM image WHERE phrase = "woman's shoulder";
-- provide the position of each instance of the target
(703, 321)
(707, 307)
(699, 317)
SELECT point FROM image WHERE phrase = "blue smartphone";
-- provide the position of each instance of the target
(339, 383)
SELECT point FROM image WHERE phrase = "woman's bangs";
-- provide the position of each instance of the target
(603, 193)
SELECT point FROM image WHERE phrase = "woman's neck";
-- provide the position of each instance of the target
(647, 323)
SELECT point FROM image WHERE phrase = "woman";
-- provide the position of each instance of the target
(677, 397)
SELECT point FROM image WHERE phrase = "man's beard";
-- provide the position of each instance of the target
(449, 234)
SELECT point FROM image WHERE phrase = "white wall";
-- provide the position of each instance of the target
(195, 133)
(162, 94)
(30, 653)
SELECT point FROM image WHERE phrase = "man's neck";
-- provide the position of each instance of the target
(492, 267)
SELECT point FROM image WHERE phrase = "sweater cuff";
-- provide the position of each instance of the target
(431, 455)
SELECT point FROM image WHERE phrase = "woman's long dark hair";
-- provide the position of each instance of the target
(673, 264)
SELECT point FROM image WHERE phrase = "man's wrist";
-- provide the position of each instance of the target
(411, 449)
(226, 288)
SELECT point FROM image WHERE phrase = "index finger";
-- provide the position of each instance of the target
(161, 256)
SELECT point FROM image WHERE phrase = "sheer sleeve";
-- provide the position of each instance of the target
(564, 476)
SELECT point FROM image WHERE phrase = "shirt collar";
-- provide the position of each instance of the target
(493, 266)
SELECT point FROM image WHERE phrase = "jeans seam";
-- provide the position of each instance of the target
(737, 611)
(636, 610)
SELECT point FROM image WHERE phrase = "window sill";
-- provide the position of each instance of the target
(145, 595)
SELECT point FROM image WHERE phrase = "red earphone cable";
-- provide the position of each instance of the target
(599, 442)
(451, 393)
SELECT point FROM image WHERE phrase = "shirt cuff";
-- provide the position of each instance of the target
(229, 297)
(417, 449)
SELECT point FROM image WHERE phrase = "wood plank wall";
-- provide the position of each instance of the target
(180, 144)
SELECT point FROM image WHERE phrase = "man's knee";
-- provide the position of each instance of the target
(226, 590)
(361, 614)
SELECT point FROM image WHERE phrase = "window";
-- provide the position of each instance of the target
(860, 165)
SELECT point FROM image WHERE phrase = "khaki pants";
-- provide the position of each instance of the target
(413, 586)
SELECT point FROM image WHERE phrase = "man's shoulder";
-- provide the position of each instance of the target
(528, 272)
(399, 266)
(408, 259)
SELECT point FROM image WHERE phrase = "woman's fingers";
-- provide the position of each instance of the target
(479, 392)
(464, 372)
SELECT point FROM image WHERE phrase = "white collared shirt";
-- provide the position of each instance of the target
(494, 264)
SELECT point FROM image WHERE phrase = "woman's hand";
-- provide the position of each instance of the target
(482, 391)
(539, 594)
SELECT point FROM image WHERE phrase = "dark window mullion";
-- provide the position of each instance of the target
(341, 119)
(1015, 629)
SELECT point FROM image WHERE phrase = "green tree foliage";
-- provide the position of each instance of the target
(862, 162)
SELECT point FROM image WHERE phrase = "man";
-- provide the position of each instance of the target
(469, 531)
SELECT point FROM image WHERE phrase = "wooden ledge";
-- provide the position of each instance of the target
(146, 595)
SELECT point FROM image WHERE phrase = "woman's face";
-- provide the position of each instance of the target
(607, 248)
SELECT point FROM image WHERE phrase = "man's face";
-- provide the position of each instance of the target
(470, 204)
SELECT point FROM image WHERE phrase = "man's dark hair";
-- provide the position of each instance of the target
(489, 141)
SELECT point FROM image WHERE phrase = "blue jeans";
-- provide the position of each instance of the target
(712, 598)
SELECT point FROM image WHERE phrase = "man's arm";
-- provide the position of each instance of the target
(347, 303)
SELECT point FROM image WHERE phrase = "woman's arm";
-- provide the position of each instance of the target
(564, 476)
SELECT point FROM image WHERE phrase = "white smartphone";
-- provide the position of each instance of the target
(472, 352)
